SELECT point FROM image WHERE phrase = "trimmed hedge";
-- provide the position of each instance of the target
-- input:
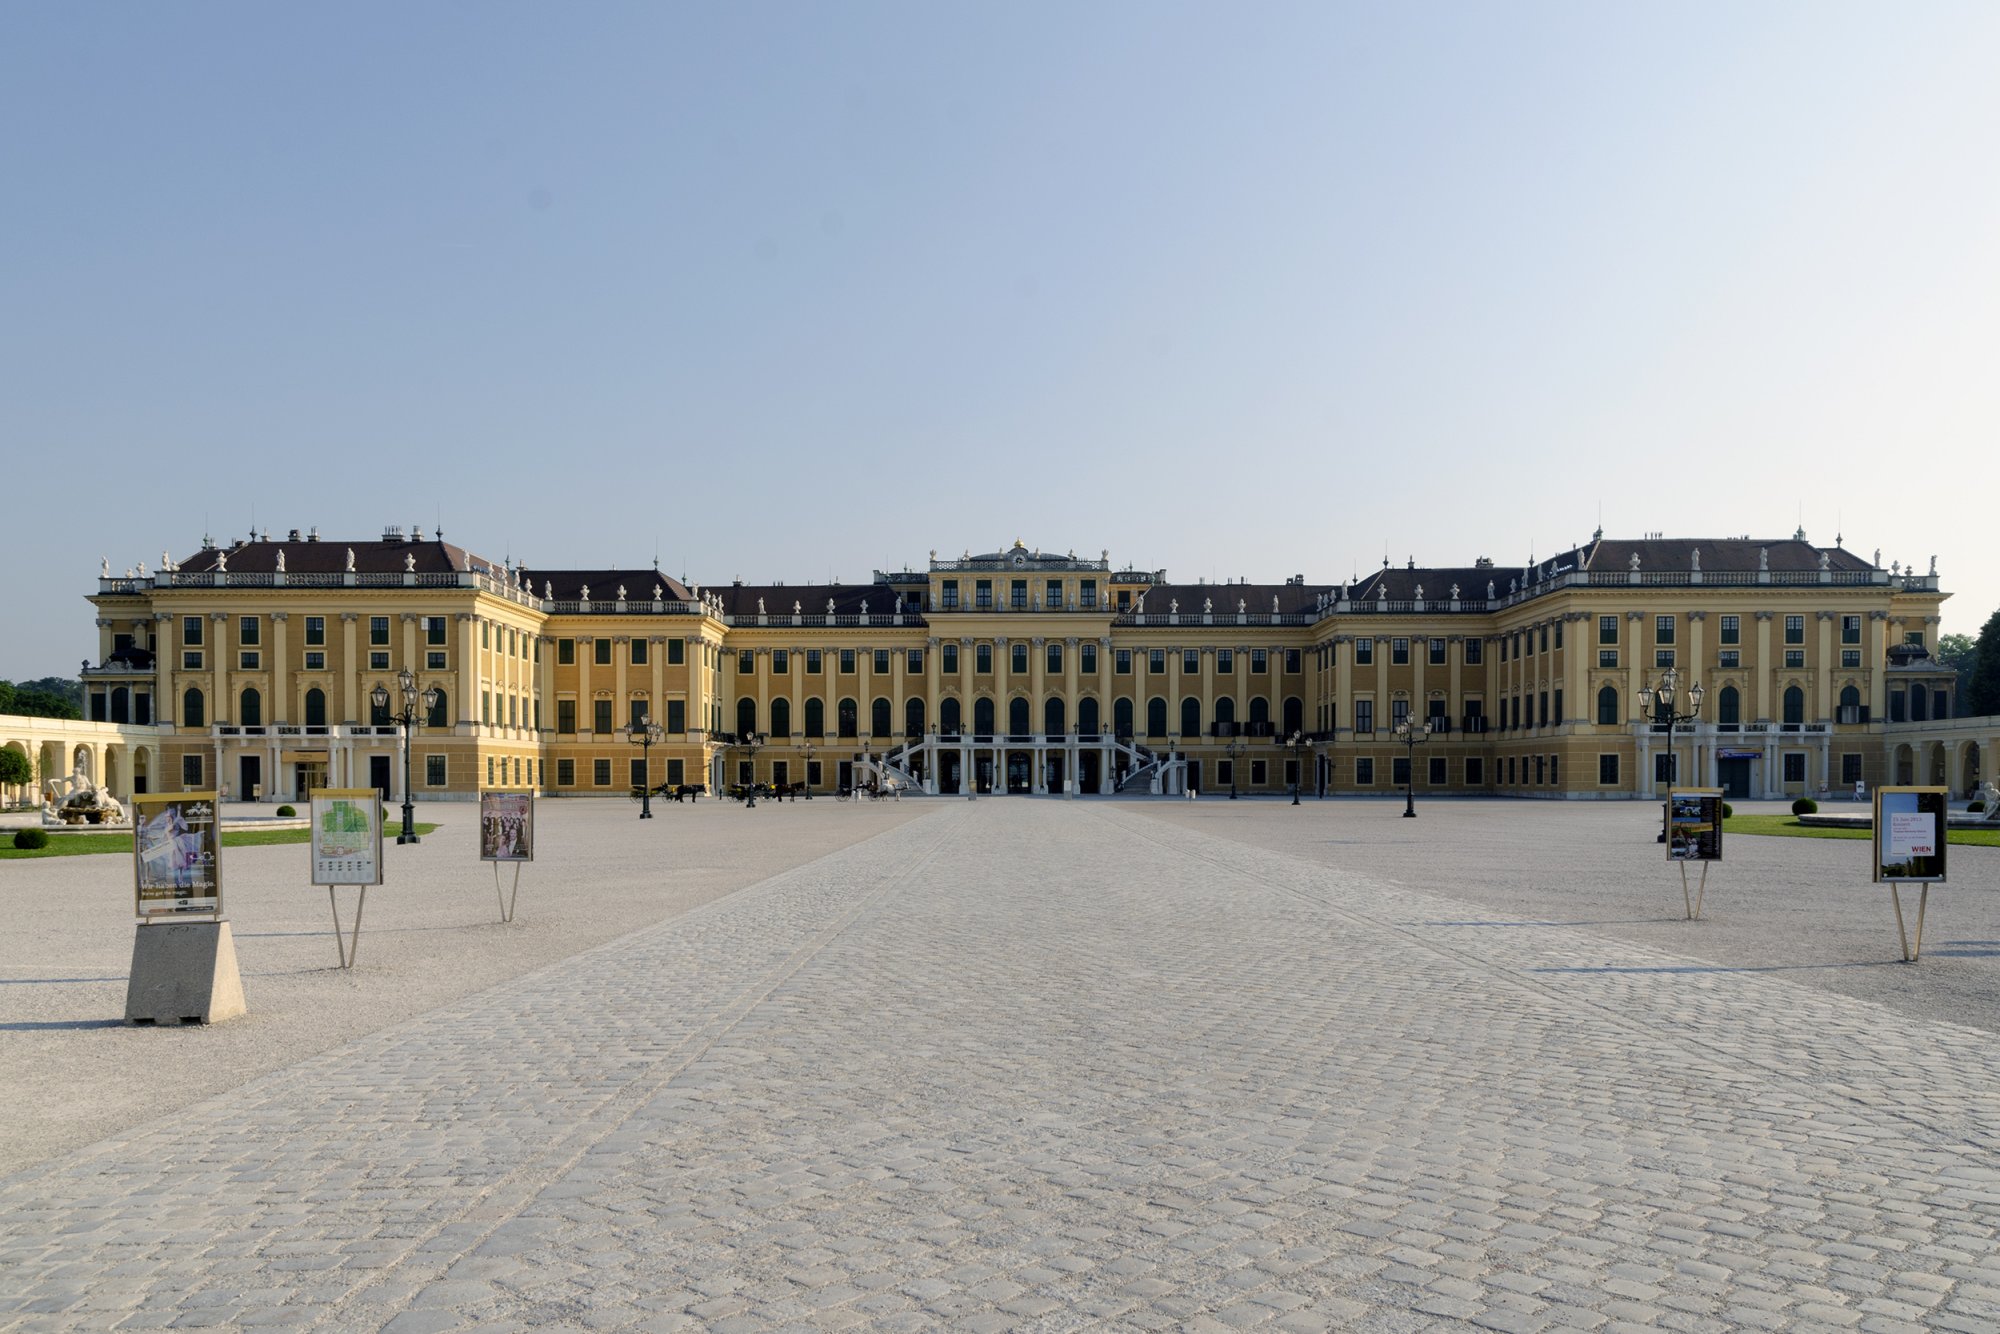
(30, 839)
(1804, 806)
(1976, 806)
(285, 810)
(1727, 810)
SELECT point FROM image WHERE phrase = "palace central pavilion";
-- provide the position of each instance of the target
(255, 665)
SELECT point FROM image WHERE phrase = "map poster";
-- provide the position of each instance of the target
(506, 826)
(346, 846)
(177, 854)
(1694, 824)
(1910, 833)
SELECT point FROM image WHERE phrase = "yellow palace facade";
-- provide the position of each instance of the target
(253, 666)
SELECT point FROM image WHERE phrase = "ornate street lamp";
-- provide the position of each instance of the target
(645, 734)
(809, 770)
(1298, 745)
(1411, 735)
(1660, 705)
(1234, 750)
(406, 686)
(752, 742)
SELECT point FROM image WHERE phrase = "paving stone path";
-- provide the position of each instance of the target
(1047, 1065)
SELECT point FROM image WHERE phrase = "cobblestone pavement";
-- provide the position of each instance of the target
(1044, 1066)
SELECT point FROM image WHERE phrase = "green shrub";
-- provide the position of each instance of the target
(286, 810)
(1804, 806)
(1976, 806)
(1727, 810)
(30, 839)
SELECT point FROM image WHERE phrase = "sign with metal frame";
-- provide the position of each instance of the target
(1909, 846)
(346, 849)
(1694, 834)
(507, 834)
(176, 855)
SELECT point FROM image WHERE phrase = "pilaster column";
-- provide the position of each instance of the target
(1823, 671)
(1037, 676)
(933, 684)
(281, 682)
(864, 693)
(1000, 666)
(1107, 708)
(1878, 685)
(621, 654)
(350, 670)
(586, 703)
(224, 707)
(166, 709)
(965, 660)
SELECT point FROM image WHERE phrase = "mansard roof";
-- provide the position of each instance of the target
(310, 556)
(812, 599)
(568, 585)
(1256, 598)
(1719, 554)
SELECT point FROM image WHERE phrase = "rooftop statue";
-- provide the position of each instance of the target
(222, 562)
(1763, 558)
(350, 560)
(281, 560)
(1634, 562)
(409, 562)
(1454, 592)
(1697, 558)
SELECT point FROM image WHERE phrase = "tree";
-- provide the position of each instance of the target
(1959, 652)
(1982, 687)
(32, 700)
(15, 768)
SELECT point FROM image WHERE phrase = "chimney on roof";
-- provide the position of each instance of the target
(392, 533)
(313, 535)
(292, 536)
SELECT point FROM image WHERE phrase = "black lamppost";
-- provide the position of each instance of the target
(1298, 745)
(1411, 734)
(406, 686)
(1660, 705)
(1234, 750)
(752, 742)
(809, 770)
(645, 734)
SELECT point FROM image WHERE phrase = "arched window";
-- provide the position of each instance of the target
(781, 717)
(1053, 722)
(1087, 721)
(1260, 710)
(194, 710)
(913, 717)
(1795, 705)
(121, 705)
(1017, 716)
(1728, 706)
(1295, 714)
(316, 708)
(1156, 716)
(815, 718)
(252, 714)
(1850, 704)
(1225, 713)
(850, 719)
(1190, 718)
(1607, 706)
(746, 715)
(435, 718)
(881, 717)
(982, 717)
(950, 723)
(1918, 698)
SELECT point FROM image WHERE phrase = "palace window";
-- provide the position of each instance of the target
(1850, 629)
(1364, 771)
(982, 594)
(746, 663)
(1399, 771)
(1795, 629)
(1260, 662)
(565, 652)
(948, 594)
(1850, 767)
(434, 771)
(316, 631)
(1364, 652)
(1607, 657)
(1399, 652)
(676, 716)
(639, 651)
(915, 665)
(1364, 715)
(1399, 714)
(882, 662)
(1017, 657)
(1190, 662)
(1054, 657)
(781, 662)
(191, 772)
(1607, 629)
(1087, 655)
(1729, 657)
(1795, 766)
(434, 660)
(247, 660)
(601, 651)
(676, 651)
(1122, 661)
(1475, 650)
(1225, 662)
(1732, 629)
(1663, 629)
(1156, 661)
(1292, 661)
(1795, 657)
(191, 630)
(982, 659)
(600, 772)
(1437, 652)
(600, 716)
(378, 630)
(1475, 771)
(1052, 598)
(948, 660)
(565, 773)
(1087, 594)
(1436, 777)
(1663, 657)
(378, 659)
(565, 717)
(847, 662)
(434, 630)
(813, 665)
(1850, 657)
(315, 660)
(1017, 594)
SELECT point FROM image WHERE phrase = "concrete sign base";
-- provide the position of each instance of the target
(184, 973)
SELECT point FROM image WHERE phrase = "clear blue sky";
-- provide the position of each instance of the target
(795, 291)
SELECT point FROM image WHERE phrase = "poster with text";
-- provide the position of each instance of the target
(1910, 833)
(1694, 824)
(346, 836)
(506, 826)
(177, 854)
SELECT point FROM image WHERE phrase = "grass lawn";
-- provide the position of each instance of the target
(1788, 826)
(84, 845)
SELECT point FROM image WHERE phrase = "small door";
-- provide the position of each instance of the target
(1018, 771)
(1089, 765)
(1734, 776)
(781, 774)
(1055, 774)
(948, 773)
(252, 772)
(846, 775)
(378, 774)
(1194, 775)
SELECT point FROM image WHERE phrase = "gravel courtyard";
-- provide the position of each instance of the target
(1021, 1064)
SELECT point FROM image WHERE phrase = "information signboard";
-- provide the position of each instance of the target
(176, 854)
(507, 826)
(346, 846)
(1910, 834)
(1694, 824)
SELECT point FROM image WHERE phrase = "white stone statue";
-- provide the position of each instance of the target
(760, 606)
(1454, 592)
(1420, 592)
(829, 606)
(222, 562)
(104, 567)
(350, 560)
(1274, 604)
(409, 562)
(281, 560)
(1208, 606)
(1825, 561)
(1174, 607)
(1489, 590)
(621, 592)
(1878, 558)
(656, 592)
(797, 610)
(1241, 606)
(1763, 558)
(1933, 566)
(1991, 795)
(1514, 585)
(864, 606)
(1697, 558)
(1634, 562)
(586, 592)
(549, 589)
